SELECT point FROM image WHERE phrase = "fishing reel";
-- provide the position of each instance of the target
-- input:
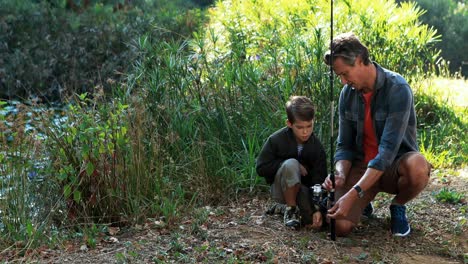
(318, 198)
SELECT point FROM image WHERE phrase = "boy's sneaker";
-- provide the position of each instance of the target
(400, 226)
(368, 210)
(292, 217)
(276, 208)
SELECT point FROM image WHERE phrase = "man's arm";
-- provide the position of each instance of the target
(400, 106)
(345, 148)
(343, 206)
(370, 177)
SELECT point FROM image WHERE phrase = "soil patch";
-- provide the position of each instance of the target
(241, 233)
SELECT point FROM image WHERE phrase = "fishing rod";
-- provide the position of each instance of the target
(331, 194)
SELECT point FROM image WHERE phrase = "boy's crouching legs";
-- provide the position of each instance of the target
(305, 207)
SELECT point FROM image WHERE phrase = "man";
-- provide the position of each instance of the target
(376, 149)
(292, 160)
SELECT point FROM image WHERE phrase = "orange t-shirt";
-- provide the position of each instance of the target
(371, 147)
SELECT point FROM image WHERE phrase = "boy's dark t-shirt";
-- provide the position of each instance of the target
(281, 146)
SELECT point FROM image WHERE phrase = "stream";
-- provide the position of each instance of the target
(24, 194)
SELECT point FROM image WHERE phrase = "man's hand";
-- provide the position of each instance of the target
(303, 170)
(339, 181)
(343, 206)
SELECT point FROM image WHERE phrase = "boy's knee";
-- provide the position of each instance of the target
(291, 164)
(290, 172)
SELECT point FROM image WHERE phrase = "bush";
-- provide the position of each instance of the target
(255, 54)
(50, 51)
(442, 122)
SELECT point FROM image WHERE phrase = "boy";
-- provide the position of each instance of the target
(291, 161)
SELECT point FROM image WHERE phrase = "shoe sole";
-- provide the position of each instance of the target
(292, 224)
(404, 234)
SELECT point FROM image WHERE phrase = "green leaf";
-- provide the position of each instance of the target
(89, 168)
(67, 190)
(77, 196)
(61, 176)
(362, 256)
(83, 96)
(29, 228)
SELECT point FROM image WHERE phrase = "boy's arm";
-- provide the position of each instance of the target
(317, 168)
(321, 165)
(268, 163)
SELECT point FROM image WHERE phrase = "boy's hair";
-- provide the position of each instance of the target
(348, 47)
(299, 108)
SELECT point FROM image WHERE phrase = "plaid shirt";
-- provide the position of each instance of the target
(393, 116)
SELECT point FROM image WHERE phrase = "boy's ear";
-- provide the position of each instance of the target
(288, 123)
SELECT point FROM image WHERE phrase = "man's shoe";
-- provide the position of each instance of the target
(292, 217)
(400, 226)
(368, 210)
(276, 208)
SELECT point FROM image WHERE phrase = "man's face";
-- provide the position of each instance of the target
(302, 129)
(351, 75)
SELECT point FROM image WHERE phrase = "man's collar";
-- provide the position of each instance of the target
(380, 76)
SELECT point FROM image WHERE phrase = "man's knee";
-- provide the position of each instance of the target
(344, 227)
(416, 170)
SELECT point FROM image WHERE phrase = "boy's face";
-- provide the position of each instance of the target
(302, 129)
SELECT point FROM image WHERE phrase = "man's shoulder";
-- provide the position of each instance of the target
(387, 78)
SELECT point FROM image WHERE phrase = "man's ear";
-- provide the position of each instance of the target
(358, 60)
(288, 123)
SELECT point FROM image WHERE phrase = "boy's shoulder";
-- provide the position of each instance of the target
(280, 133)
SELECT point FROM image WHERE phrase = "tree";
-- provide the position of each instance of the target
(449, 18)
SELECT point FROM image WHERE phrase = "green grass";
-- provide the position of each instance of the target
(442, 109)
(447, 195)
(449, 90)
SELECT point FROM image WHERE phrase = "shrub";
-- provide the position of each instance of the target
(52, 52)
(266, 51)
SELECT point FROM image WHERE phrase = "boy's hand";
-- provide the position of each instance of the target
(317, 220)
(303, 170)
(339, 181)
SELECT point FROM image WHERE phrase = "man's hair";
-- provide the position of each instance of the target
(348, 47)
(299, 108)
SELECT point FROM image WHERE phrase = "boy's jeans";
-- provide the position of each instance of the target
(289, 175)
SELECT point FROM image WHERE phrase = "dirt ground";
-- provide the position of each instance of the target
(242, 233)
